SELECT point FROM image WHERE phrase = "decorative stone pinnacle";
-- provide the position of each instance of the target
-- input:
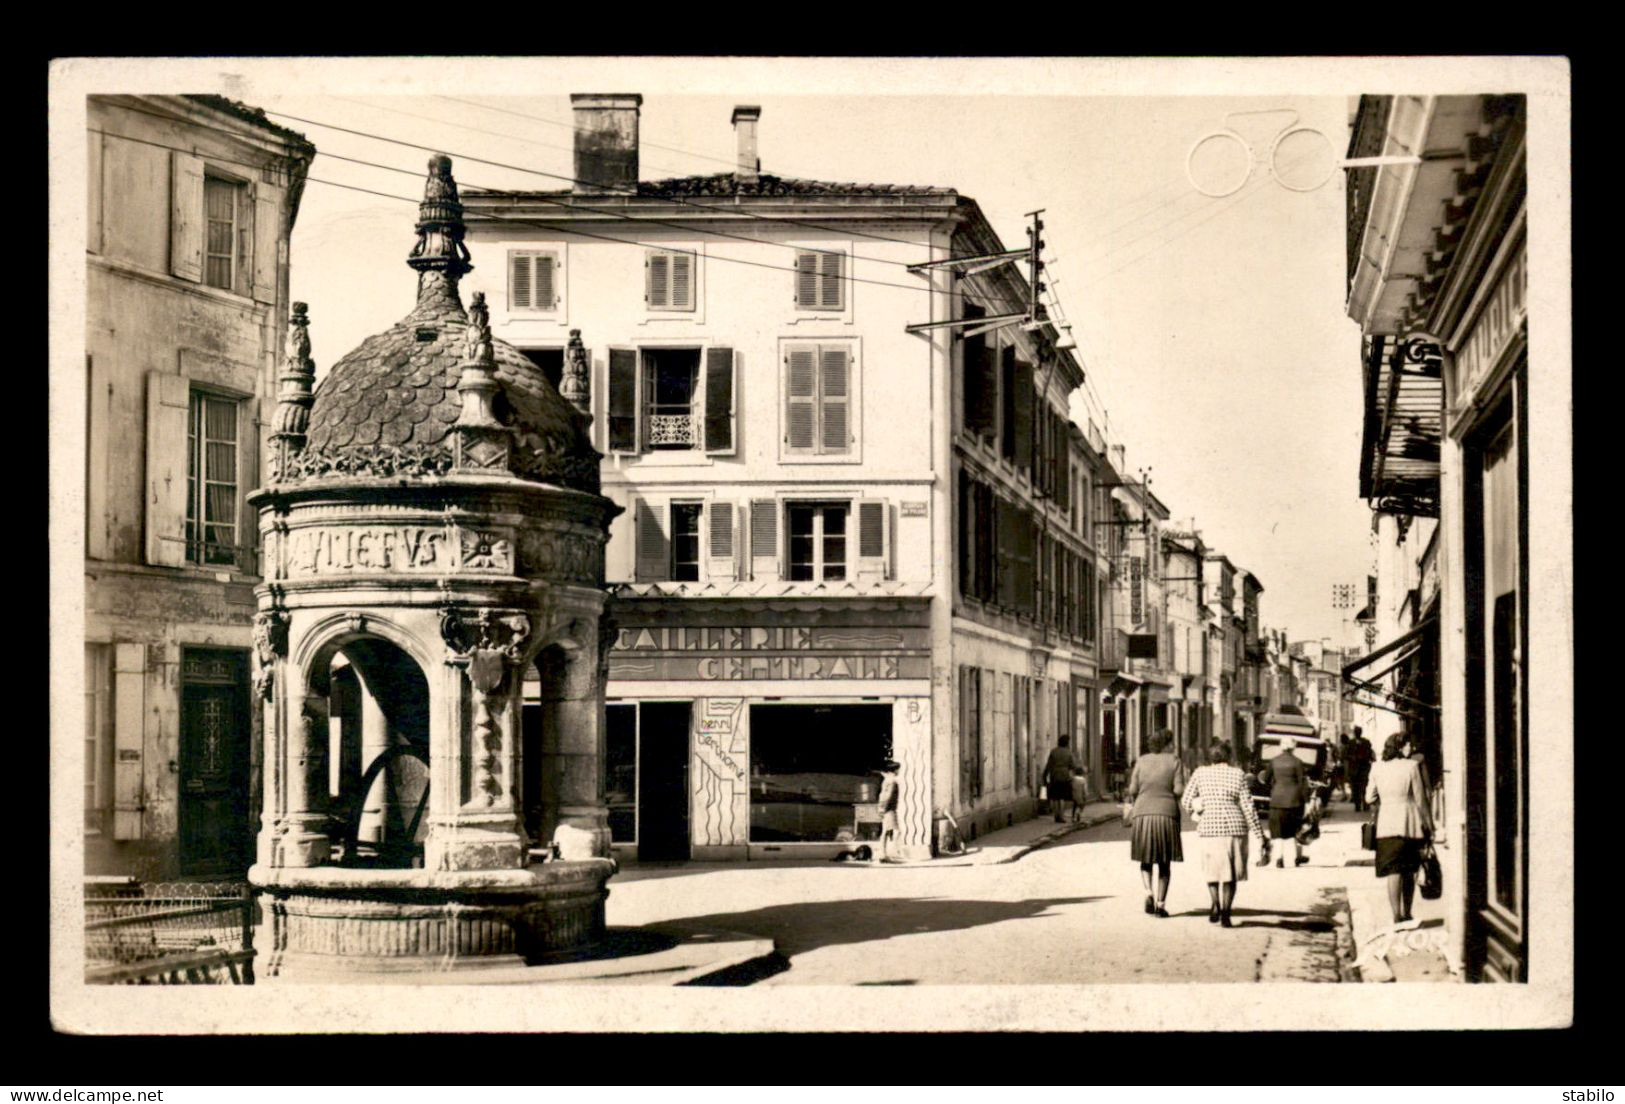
(482, 441)
(294, 395)
(440, 257)
(573, 384)
(478, 350)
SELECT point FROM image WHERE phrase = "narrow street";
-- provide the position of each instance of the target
(1069, 913)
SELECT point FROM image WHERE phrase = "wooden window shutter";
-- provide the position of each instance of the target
(1005, 553)
(965, 722)
(623, 400)
(1026, 561)
(682, 281)
(544, 289)
(168, 407)
(835, 402)
(764, 538)
(986, 538)
(1063, 456)
(186, 216)
(722, 561)
(801, 397)
(873, 547)
(267, 236)
(653, 546)
(981, 386)
(1023, 439)
(657, 290)
(831, 284)
(719, 401)
(519, 282)
(965, 545)
(1007, 402)
(806, 294)
(93, 192)
(129, 725)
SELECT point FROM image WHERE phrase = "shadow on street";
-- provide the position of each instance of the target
(807, 926)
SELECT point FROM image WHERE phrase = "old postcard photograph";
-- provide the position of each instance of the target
(697, 544)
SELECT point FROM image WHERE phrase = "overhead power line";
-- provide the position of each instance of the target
(980, 298)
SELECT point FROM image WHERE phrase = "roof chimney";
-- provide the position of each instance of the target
(606, 143)
(744, 120)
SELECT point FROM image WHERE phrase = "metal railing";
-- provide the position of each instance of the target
(169, 934)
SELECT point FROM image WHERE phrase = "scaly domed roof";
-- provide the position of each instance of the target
(388, 407)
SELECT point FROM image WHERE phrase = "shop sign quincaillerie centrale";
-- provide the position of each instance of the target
(746, 652)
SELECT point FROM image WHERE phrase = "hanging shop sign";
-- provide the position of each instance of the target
(1136, 591)
(744, 652)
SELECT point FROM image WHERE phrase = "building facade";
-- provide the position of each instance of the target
(1191, 698)
(191, 203)
(1137, 669)
(843, 542)
(1469, 526)
(1251, 689)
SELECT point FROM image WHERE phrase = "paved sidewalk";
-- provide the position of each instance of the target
(1384, 951)
(1009, 844)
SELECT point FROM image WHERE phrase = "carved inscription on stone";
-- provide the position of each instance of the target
(565, 557)
(360, 549)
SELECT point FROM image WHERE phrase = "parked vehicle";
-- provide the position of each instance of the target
(1309, 748)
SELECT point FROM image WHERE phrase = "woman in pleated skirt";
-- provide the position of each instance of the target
(1154, 788)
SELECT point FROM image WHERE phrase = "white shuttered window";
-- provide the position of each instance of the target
(818, 399)
(820, 280)
(533, 280)
(669, 280)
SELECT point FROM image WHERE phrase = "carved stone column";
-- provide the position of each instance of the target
(304, 828)
(573, 743)
(271, 698)
(375, 740)
(479, 827)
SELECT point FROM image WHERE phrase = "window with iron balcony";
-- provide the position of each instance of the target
(672, 399)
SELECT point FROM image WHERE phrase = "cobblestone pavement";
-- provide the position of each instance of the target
(1071, 912)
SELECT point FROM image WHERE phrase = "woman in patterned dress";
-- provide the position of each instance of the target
(1220, 798)
(1153, 793)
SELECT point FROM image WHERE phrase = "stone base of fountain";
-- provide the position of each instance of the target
(332, 924)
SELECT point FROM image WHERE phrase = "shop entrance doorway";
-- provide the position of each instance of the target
(663, 826)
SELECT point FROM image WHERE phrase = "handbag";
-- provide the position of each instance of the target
(1128, 815)
(1368, 836)
(1430, 875)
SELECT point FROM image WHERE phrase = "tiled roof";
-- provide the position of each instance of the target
(398, 390)
(730, 184)
(253, 115)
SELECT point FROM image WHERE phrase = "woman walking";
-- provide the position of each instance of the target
(1404, 821)
(1058, 771)
(1154, 786)
(1219, 796)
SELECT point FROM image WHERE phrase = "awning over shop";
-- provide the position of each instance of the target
(1124, 683)
(1156, 693)
(1404, 415)
(1358, 676)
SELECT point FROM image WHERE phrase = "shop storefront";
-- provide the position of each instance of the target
(758, 729)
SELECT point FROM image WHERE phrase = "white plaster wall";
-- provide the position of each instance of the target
(750, 309)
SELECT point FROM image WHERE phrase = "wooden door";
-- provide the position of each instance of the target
(214, 821)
